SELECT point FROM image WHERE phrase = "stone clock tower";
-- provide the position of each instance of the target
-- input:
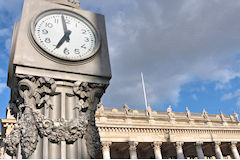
(59, 69)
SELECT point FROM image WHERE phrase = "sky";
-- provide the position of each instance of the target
(188, 51)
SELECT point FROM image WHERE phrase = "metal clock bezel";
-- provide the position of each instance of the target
(45, 52)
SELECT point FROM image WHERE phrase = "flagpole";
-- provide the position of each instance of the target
(144, 91)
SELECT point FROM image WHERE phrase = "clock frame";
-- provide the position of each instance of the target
(27, 58)
(37, 44)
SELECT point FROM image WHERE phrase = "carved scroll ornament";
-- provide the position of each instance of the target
(33, 93)
(89, 95)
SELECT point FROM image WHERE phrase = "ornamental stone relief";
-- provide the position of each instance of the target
(33, 93)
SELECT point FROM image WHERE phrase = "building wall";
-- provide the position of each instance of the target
(127, 133)
(173, 134)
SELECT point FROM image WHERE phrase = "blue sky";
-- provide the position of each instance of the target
(188, 51)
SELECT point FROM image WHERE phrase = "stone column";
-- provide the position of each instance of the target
(157, 150)
(179, 149)
(133, 149)
(106, 149)
(199, 150)
(234, 150)
(218, 150)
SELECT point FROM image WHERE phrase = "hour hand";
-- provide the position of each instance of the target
(61, 42)
(64, 38)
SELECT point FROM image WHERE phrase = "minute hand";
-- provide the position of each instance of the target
(64, 24)
(65, 28)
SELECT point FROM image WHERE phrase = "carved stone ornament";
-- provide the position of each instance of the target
(33, 93)
(236, 116)
(89, 95)
(179, 145)
(132, 145)
(74, 3)
(149, 111)
(157, 145)
(171, 115)
(188, 114)
(126, 109)
(100, 108)
(205, 115)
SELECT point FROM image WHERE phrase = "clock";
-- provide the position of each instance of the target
(65, 35)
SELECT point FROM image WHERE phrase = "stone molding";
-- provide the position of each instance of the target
(171, 131)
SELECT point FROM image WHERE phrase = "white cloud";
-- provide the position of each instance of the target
(5, 32)
(194, 96)
(2, 87)
(172, 42)
(3, 74)
(230, 96)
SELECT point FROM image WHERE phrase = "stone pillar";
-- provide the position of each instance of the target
(133, 149)
(179, 149)
(234, 150)
(199, 150)
(157, 150)
(106, 150)
(218, 150)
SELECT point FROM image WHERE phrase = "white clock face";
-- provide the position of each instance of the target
(65, 35)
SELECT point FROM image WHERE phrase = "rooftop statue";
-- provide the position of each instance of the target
(205, 115)
(126, 109)
(101, 108)
(149, 111)
(188, 113)
(171, 115)
(236, 116)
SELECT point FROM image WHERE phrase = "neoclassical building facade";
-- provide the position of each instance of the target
(127, 133)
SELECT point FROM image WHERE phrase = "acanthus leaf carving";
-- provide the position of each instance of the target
(33, 93)
(89, 95)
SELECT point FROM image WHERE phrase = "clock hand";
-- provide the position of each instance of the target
(64, 24)
(63, 39)
(65, 28)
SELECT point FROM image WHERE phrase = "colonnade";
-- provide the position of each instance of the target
(178, 146)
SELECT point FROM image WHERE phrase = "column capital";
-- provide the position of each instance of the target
(132, 145)
(106, 144)
(179, 143)
(233, 144)
(199, 143)
(217, 143)
(157, 144)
